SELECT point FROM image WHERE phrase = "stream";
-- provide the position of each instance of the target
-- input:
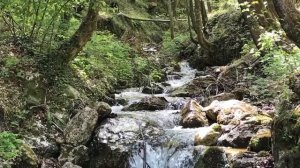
(155, 139)
(174, 147)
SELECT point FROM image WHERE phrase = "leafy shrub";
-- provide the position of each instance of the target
(9, 145)
(278, 64)
(171, 46)
(107, 57)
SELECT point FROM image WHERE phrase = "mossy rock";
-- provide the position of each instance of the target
(213, 157)
(27, 158)
(227, 32)
(261, 141)
(261, 119)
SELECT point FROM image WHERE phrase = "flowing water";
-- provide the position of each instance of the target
(175, 147)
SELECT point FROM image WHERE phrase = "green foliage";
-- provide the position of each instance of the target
(171, 46)
(278, 64)
(105, 57)
(224, 6)
(9, 145)
(40, 22)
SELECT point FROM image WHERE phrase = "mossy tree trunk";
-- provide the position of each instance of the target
(196, 14)
(171, 16)
(289, 18)
(70, 49)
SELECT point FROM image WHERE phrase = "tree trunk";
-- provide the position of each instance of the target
(203, 13)
(208, 4)
(170, 11)
(199, 26)
(70, 49)
(289, 18)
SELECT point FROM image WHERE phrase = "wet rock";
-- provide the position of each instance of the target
(239, 136)
(210, 137)
(202, 85)
(165, 84)
(213, 157)
(115, 139)
(103, 110)
(154, 89)
(180, 92)
(200, 73)
(261, 141)
(70, 165)
(229, 112)
(252, 159)
(192, 115)
(80, 128)
(148, 103)
(121, 101)
(78, 155)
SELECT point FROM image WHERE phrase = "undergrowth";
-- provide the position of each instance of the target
(279, 63)
(9, 145)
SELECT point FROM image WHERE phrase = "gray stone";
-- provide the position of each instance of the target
(192, 115)
(78, 155)
(103, 109)
(80, 128)
(148, 103)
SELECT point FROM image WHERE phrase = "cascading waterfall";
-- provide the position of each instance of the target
(173, 149)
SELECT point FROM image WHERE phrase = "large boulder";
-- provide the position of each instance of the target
(213, 157)
(252, 159)
(227, 32)
(192, 115)
(116, 138)
(103, 110)
(148, 103)
(80, 128)
(239, 136)
(261, 141)
(208, 137)
(153, 89)
(230, 111)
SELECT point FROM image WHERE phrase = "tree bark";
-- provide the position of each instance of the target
(170, 11)
(70, 49)
(199, 26)
(203, 13)
(289, 18)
